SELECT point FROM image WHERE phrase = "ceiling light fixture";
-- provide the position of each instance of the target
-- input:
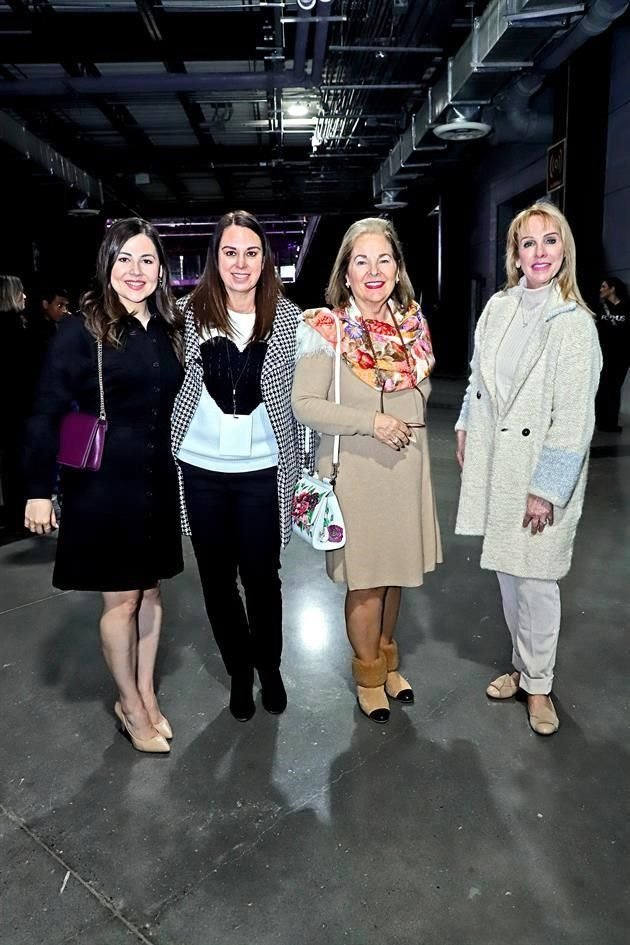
(389, 201)
(460, 125)
(298, 110)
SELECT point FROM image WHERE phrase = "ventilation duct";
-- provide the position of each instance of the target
(26, 143)
(504, 40)
(517, 121)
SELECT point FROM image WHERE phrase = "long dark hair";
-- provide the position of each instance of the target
(103, 310)
(209, 299)
(619, 288)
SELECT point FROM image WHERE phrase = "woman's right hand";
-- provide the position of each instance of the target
(460, 448)
(390, 430)
(39, 516)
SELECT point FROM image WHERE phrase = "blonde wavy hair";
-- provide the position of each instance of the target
(338, 293)
(566, 278)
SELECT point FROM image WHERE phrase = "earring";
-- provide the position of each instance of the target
(518, 265)
(347, 284)
(397, 279)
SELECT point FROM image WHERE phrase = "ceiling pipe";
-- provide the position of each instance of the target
(319, 46)
(517, 121)
(34, 149)
(435, 50)
(301, 40)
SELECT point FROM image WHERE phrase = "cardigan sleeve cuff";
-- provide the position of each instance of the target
(556, 475)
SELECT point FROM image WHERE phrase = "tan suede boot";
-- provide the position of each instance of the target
(396, 686)
(370, 676)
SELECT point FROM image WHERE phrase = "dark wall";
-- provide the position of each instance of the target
(39, 241)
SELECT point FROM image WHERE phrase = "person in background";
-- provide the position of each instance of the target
(384, 479)
(523, 437)
(613, 326)
(15, 396)
(239, 451)
(119, 532)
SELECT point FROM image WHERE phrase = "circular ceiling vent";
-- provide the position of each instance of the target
(462, 130)
(83, 212)
(390, 201)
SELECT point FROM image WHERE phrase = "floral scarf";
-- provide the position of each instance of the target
(379, 359)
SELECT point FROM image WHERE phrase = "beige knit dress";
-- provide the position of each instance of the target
(386, 496)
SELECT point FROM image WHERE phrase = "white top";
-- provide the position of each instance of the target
(526, 321)
(214, 440)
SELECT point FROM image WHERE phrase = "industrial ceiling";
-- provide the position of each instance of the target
(190, 107)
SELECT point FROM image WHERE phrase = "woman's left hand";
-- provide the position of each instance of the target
(539, 512)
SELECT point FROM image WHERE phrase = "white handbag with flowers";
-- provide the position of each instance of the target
(316, 512)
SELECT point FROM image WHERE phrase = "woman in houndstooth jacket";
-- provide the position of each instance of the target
(238, 450)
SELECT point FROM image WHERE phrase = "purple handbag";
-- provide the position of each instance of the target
(82, 436)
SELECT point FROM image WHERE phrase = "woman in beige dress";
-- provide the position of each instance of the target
(384, 477)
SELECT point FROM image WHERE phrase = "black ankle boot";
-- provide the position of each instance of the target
(274, 695)
(242, 705)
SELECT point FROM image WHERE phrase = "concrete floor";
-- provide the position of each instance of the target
(452, 825)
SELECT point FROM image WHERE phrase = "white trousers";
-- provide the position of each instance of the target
(532, 613)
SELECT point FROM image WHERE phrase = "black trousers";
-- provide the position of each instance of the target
(235, 527)
(608, 400)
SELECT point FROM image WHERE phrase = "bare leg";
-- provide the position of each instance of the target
(391, 608)
(119, 642)
(396, 685)
(149, 626)
(364, 616)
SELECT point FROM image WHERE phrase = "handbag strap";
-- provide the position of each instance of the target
(101, 393)
(337, 389)
(335, 456)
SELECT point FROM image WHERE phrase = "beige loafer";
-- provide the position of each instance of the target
(544, 721)
(503, 687)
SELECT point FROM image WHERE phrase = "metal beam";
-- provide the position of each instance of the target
(150, 84)
(434, 50)
(33, 148)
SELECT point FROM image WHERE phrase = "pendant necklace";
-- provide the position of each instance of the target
(236, 382)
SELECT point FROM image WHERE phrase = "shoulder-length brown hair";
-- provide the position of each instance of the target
(103, 310)
(566, 278)
(209, 299)
(338, 293)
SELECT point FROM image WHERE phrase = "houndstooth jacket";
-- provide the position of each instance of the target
(276, 383)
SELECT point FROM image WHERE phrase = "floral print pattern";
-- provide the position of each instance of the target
(385, 363)
(315, 517)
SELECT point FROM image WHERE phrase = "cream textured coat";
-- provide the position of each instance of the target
(538, 443)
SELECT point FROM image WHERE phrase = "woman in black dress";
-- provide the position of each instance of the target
(120, 531)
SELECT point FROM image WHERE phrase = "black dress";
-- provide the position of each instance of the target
(119, 526)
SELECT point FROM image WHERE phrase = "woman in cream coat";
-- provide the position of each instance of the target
(522, 443)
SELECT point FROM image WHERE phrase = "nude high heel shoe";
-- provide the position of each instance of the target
(157, 744)
(164, 727)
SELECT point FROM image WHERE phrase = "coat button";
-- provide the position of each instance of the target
(478, 395)
(525, 432)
